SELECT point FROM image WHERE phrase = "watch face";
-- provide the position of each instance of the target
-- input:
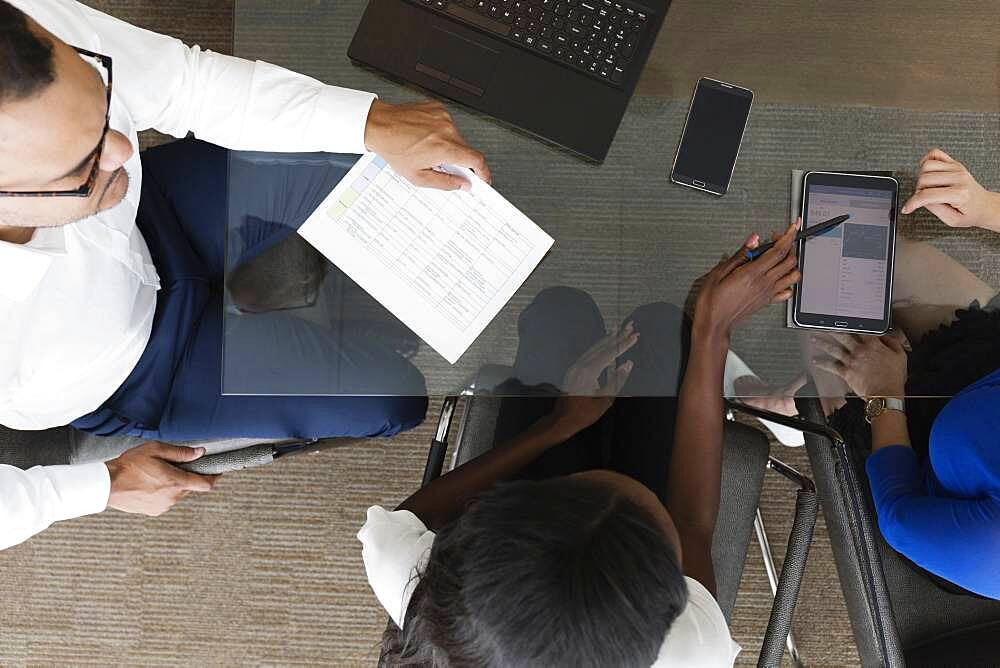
(874, 407)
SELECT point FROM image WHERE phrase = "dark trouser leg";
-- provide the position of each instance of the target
(639, 428)
(185, 289)
(192, 177)
(175, 390)
(558, 326)
(316, 361)
(261, 197)
(636, 436)
(249, 205)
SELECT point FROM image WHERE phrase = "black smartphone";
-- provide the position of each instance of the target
(847, 271)
(713, 133)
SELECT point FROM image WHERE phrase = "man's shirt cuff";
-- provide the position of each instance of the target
(82, 489)
(344, 112)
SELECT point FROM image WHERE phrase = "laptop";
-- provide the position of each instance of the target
(561, 70)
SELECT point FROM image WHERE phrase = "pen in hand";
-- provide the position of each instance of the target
(825, 226)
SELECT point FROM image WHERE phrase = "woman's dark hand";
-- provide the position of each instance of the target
(736, 288)
(584, 399)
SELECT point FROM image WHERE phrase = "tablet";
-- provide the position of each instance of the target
(847, 272)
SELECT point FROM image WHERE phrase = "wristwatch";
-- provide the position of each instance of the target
(875, 406)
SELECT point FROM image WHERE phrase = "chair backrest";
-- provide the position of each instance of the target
(743, 467)
(899, 616)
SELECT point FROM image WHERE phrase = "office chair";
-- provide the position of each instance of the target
(899, 616)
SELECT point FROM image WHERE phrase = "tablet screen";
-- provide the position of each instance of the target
(845, 271)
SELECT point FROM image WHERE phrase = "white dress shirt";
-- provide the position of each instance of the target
(395, 546)
(77, 302)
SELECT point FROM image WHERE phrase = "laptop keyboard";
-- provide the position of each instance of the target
(598, 37)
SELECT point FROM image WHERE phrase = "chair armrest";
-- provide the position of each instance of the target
(854, 538)
(807, 426)
(251, 456)
(792, 571)
(439, 445)
(799, 539)
(232, 460)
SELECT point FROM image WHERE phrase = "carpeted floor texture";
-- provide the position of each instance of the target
(266, 569)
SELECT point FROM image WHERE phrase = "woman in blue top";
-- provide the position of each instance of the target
(941, 512)
(937, 497)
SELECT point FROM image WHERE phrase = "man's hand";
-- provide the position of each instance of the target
(144, 479)
(872, 366)
(947, 189)
(584, 399)
(736, 287)
(416, 138)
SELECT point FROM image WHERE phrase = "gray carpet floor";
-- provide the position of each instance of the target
(266, 569)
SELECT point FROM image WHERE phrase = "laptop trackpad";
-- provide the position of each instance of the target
(457, 61)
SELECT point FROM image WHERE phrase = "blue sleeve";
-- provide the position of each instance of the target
(956, 539)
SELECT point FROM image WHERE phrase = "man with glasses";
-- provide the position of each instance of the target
(111, 265)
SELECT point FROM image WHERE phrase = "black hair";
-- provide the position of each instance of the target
(27, 60)
(561, 572)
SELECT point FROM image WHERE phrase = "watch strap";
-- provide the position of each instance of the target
(894, 404)
(875, 406)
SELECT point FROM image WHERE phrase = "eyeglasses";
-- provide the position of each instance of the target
(88, 186)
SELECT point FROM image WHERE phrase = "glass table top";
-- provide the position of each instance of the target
(629, 245)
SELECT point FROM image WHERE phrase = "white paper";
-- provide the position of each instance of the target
(444, 263)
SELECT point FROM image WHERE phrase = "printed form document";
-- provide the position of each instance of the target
(444, 263)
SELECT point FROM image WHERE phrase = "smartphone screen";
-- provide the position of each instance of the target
(712, 136)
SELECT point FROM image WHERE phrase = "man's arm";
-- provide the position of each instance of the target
(142, 480)
(247, 105)
(30, 501)
(233, 102)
